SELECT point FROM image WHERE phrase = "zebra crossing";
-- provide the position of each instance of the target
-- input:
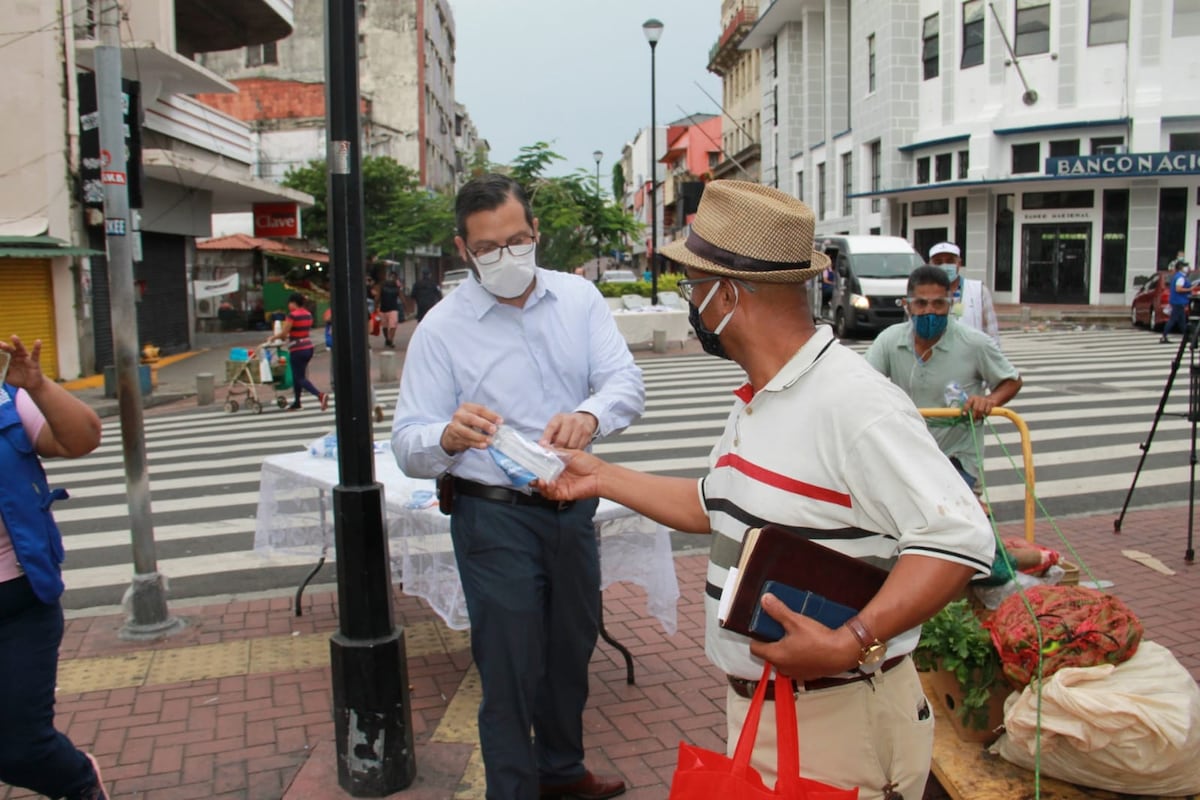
(1089, 400)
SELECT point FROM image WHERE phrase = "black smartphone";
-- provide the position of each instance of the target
(802, 601)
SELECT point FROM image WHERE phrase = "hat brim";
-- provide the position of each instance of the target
(678, 252)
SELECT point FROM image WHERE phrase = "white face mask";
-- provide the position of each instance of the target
(510, 276)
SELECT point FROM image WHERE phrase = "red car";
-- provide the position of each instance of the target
(1151, 305)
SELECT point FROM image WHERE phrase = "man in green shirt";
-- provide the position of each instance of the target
(938, 362)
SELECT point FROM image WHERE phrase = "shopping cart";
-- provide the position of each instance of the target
(247, 370)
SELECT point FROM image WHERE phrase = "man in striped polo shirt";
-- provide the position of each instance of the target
(820, 442)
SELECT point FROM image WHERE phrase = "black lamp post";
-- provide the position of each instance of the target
(653, 30)
(598, 156)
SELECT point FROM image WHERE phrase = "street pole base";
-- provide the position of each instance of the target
(372, 716)
(146, 601)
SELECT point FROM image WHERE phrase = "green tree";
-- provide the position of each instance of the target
(570, 209)
(398, 213)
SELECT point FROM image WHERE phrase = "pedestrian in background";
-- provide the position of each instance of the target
(425, 293)
(390, 293)
(297, 329)
(39, 419)
(971, 302)
(539, 351)
(1180, 295)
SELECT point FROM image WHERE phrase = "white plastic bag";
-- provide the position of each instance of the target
(1132, 728)
(264, 370)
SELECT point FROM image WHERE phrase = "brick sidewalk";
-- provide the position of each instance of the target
(238, 704)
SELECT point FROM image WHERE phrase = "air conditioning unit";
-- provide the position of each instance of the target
(1112, 150)
(206, 307)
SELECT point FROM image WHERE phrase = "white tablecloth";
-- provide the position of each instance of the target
(295, 516)
(638, 326)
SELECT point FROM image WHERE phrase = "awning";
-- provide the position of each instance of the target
(233, 189)
(41, 247)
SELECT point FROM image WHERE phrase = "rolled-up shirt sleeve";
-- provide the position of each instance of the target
(618, 395)
(428, 399)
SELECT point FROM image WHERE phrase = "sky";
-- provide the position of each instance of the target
(576, 73)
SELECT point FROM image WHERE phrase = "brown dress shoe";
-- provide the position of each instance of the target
(589, 787)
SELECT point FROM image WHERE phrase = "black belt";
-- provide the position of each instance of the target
(743, 687)
(498, 494)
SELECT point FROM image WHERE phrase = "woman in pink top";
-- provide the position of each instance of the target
(38, 419)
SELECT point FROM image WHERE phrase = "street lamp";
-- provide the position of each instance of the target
(653, 30)
(598, 156)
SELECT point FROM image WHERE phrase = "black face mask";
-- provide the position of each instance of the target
(710, 341)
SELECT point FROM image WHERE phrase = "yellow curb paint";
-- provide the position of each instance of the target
(459, 724)
(242, 657)
(96, 381)
(473, 784)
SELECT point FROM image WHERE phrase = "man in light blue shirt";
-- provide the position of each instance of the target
(539, 351)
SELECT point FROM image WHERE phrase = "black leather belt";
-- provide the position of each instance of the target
(745, 688)
(498, 494)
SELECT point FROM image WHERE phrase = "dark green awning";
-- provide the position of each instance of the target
(41, 247)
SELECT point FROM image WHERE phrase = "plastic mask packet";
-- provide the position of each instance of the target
(523, 461)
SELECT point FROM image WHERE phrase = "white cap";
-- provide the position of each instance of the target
(945, 247)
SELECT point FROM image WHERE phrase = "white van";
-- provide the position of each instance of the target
(872, 280)
(452, 278)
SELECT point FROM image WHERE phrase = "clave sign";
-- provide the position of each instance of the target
(1125, 164)
(277, 220)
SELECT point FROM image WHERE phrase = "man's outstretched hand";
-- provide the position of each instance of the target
(580, 479)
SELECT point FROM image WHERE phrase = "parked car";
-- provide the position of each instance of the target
(1151, 305)
(618, 276)
(452, 278)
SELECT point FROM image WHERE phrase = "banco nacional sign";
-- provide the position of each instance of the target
(1185, 162)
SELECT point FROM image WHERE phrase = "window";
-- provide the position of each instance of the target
(800, 185)
(259, 54)
(820, 191)
(1035, 201)
(847, 183)
(972, 33)
(775, 104)
(876, 167)
(871, 63)
(1064, 147)
(929, 46)
(941, 167)
(1185, 18)
(1025, 158)
(1108, 23)
(1005, 228)
(775, 57)
(930, 208)
(923, 170)
(1113, 245)
(1172, 223)
(1033, 27)
(1108, 144)
(1185, 141)
(964, 164)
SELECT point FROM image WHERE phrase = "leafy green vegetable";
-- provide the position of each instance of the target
(953, 640)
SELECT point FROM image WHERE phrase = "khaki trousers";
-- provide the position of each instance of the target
(867, 734)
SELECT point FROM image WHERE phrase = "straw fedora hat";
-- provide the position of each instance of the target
(753, 232)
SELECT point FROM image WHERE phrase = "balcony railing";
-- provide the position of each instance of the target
(721, 54)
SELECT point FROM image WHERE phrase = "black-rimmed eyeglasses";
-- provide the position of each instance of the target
(491, 253)
(687, 287)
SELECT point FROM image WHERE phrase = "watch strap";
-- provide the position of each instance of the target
(861, 633)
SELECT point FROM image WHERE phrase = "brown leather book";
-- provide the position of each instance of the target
(774, 553)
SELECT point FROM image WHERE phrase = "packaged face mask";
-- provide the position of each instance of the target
(523, 461)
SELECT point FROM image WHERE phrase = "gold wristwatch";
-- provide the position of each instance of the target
(873, 651)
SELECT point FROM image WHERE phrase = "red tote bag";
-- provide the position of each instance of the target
(703, 775)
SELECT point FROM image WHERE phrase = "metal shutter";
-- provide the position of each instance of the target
(27, 307)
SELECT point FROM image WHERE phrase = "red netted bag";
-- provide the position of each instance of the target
(1081, 627)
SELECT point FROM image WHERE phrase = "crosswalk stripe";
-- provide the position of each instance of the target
(1089, 398)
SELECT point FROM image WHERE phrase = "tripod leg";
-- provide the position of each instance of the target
(1145, 446)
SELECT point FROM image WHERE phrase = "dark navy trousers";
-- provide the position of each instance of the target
(531, 577)
(33, 755)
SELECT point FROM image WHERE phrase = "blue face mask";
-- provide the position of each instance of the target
(930, 326)
(951, 272)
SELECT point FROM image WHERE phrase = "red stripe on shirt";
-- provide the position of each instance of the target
(783, 482)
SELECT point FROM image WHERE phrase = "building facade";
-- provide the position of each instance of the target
(193, 159)
(1053, 141)
(693, 152)
(741, 96)
(639, 172)
(406, 77)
